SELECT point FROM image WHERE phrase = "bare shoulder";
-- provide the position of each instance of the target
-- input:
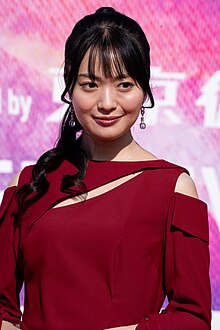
(185, 185)
(14, 181)
(7, 326)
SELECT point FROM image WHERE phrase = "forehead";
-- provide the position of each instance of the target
(109, 64)
(84, 63)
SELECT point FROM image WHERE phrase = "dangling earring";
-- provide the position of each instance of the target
(71, 121)
(142, 123)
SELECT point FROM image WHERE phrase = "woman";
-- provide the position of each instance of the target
(101, 230)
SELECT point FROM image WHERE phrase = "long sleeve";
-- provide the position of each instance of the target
(10, 276)
(186, 269)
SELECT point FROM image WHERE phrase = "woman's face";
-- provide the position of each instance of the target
(106, 107)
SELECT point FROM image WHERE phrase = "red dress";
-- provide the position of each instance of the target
(108, 261)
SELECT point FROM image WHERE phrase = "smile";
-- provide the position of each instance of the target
(107, 121)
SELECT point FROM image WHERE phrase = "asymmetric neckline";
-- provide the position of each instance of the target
(126, 161)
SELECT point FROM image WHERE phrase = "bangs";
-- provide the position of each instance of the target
(111, 54)
(108, 61)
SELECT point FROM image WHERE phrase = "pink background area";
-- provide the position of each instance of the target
(184, 127)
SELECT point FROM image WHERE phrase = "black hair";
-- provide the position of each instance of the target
(102, 34)
(105, 33)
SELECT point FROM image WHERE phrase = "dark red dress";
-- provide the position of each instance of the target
(110, 260)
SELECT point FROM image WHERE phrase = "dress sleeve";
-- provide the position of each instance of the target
(186, 273)
(10, 276)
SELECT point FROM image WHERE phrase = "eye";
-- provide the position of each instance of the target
(126, 85)
(88, 85)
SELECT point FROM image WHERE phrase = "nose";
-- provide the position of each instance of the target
(107, 99)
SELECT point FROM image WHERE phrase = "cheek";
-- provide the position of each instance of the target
(80, 103)
(82, 107)
(135, 102)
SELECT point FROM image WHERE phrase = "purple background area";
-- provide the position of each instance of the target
(183, 128)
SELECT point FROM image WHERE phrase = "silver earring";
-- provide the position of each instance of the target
(142, 123)
(71, 121)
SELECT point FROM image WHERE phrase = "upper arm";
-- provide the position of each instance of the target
(185, 185)
(8, 325)
(14, 181)
(11, 278)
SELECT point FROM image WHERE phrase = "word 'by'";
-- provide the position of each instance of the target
(17, 104)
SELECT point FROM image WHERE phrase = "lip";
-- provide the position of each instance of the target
(107, 120)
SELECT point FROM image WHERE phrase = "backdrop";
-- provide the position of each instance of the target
(184, 126)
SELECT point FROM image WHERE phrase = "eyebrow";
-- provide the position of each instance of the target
(94, 77)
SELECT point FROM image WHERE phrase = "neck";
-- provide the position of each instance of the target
(120, 149)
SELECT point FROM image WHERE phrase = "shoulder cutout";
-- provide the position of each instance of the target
(185, 185)
(14, 181)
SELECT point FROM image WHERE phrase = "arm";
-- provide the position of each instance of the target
(185, 185)
(10, 275)
(186, 270)
(14, 181)
(8, 326)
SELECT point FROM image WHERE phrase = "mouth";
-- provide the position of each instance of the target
(107, 120)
